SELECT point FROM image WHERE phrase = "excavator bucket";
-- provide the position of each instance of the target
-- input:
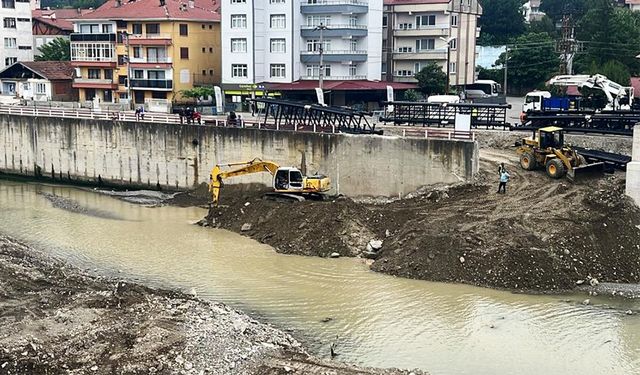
(586, 172)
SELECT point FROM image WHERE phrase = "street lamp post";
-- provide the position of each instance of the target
(448, 41)
(127, 56)
(321, 28)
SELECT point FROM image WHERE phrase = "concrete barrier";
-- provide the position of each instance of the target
(178, 157)
(633, 168)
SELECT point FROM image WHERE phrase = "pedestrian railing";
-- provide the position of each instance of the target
(440, 134)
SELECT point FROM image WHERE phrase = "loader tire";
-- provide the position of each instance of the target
(556, 168)
(528, 162)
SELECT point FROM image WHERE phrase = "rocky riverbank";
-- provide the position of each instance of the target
(542, 236)
(58, 319)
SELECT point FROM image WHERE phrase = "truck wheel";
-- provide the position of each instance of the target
(527, 161)
(556, 168)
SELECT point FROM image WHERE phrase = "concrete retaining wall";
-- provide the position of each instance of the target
(179, 157)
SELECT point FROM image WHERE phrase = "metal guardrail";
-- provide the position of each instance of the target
(490, 116)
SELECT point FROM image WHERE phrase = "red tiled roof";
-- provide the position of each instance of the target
(51, 70)
(402, 2)
(65, 13)
(60, 23)
(203, 10)
(340, 85)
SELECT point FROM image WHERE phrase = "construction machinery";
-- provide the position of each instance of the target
(547, 149)
(288, 182)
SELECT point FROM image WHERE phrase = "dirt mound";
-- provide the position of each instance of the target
(543, 235)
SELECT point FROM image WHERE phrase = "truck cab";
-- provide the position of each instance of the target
(533, 101)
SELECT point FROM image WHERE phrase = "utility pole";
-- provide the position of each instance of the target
(506, 63)
(321, 28)
(127, 56)
(566, 46)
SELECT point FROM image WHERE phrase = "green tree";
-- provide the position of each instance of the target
(56, 50)
(501, 21)
(432, 80)
(532, 61)
(555, 9)
(412, 95)
(544, 25)
(198, 92)
(614, 70)
(490, 74)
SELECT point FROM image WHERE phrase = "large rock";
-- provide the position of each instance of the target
(245, 227)
(374, 245)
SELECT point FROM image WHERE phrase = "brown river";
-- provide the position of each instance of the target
(379, 320)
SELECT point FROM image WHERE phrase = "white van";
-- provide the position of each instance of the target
(443, 99)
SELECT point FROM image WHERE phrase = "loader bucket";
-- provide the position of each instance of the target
(585, 172)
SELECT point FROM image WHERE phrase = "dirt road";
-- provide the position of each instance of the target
(543, 235)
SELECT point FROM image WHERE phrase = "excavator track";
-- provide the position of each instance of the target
(283, 197)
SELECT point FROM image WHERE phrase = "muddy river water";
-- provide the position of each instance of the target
(379, 320)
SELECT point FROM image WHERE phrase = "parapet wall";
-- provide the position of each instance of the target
(149, 155)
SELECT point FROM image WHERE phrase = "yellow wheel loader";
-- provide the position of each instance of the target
(288, 182)
(546, 149)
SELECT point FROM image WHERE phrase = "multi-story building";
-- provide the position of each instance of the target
(531, 11)
(418, 32)
(278, 42)
(50, 24)
(146, 51)
(17, 40)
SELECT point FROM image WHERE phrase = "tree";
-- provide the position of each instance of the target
(555, 9)
(431, 79)
(532, 61)
(490, 74)
(198, 92)
(544, 25)
(501, 21)
(614, 70)
(58, 49)
(412, 95)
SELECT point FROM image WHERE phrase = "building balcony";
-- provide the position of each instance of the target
(432, 54)
(94, 83)
(151, 62)
(333, 56)
(436, 30)
(150, 39)
(335, 31)
(80, 37)
(404, 78)
(152, 84)
(333, 7)
(335, 78)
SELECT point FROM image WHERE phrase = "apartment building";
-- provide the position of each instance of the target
(17, 40)
(418, 32)
(50, 24)
(271, 44)
(146, 51)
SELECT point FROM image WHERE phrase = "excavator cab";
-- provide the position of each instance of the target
(288, 179)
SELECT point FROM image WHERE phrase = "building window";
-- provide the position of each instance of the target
(423, 21)
(238, 21)
(92, 52)
(384, 21)
(24, 19)
(276, 1)
(156, 74)
(454, 20)
(238, 1)
(278, 21)
(138, 74)
(210, 49)
(278, 71)
(108, 95)
(91, 28)
(152, 28)
(10, 61)
(10, 23)
(107, 28)
(425, 44)
(122, 80)
(239, 70)
(204, 49)
(9, 42)
(239, 45)
(137, 52)
(24, 47)
(313, 45)
(278, 46)
(184, 53)
(452, 68)
(353, 70)
(184, 29)
(136, 29)
(108, 74)
(354, 45)
(353, 21)
(314, 70)
(404, 73)
(318, 20)
(405, 49)
(453, 44)
(41, 88)
(93, 74)
(210, 72)
(11, 4)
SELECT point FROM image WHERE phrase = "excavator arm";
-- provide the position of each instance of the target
(238, 169)
(612, 90)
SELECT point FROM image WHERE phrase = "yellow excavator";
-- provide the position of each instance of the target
(288, 182)
(547, 149)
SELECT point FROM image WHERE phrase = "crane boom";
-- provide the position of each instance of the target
(612, 90)
(256, 165)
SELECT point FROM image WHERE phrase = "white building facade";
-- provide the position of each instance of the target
(278, 41)
(16, 35)
(416, 33)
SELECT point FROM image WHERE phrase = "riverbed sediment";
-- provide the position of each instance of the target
(59, 319)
